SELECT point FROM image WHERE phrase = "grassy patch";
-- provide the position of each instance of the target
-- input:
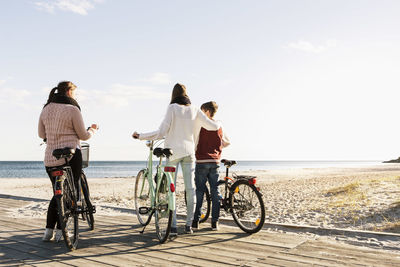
(395, 205)
(393, 227)
(347, 189)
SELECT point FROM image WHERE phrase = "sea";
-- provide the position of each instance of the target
(105, 169)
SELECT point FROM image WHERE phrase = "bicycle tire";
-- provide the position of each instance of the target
(163, 214)
(86, 203)
(247, 206)
(205, 207)
(142, 197)
(68, 215)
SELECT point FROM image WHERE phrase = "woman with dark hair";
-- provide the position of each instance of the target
(61, 125)
(180, 128)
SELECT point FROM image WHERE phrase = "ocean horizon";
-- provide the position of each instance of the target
(106, 169)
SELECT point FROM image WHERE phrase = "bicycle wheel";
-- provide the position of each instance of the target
(205, 207)
(163, 215)
(87, 206)
(247, 206)
(142, 198)
(68, 215)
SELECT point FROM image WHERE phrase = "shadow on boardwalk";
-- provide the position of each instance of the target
(116, 241)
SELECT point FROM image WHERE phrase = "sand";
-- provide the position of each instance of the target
(358, 198)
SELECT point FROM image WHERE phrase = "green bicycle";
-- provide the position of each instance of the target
(156, 196)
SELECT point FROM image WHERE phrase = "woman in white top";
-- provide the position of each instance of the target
(180, 128)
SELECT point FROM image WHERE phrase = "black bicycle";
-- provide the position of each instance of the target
(72, 200)
(241, 198)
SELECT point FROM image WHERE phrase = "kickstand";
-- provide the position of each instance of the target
(141, 232)
(148, 222)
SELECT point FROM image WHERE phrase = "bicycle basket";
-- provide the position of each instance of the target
(85, 154)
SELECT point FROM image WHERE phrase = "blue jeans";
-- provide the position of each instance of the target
(207, 172)
(187, 164)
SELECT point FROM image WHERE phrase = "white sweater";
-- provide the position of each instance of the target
(180, 128)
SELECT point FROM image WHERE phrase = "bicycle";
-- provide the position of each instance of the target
(69, 198)
(156, 196)
(241, 198)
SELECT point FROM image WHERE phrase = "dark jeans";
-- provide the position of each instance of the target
(207, 172)
(52, 212)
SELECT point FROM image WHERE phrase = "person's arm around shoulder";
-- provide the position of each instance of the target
(225, 139)
(162, 130)
(79, 126)
(206, 123)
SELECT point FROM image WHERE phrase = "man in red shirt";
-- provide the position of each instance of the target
(208, 156)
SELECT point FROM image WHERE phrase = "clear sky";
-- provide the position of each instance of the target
(295, 80)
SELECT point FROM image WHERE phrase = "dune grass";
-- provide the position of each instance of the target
(392, 227)
(347, 202)
(343, 190)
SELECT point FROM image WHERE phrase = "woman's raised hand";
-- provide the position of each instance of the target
(94, 126)
(135, 135)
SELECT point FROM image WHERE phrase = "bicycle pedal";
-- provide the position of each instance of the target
(93, 209)
(143, 210)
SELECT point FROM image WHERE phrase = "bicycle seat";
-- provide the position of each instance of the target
(158, 152)
(228, 163)
(65, 152)
(168, 152)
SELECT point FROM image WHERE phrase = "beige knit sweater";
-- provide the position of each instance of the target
(62, 125)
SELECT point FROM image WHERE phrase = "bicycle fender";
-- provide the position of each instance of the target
(171, 199)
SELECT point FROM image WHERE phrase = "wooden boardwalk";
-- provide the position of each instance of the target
(116, 241)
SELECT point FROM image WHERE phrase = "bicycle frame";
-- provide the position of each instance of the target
(228, 182)
(159, 172)
(65, 172)
(242, 199)
(227, 186)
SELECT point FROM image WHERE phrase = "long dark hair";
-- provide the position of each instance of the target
(62, 89)
(179, 90)
(179, 95)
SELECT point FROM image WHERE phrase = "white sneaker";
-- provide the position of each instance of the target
(48, 235)
(59, 235)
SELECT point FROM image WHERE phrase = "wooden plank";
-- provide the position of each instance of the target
(116, 241)
(24, 253)
(104, 247)
(346, 253)
(270, 261)
(10, 257)
(255, 239)
(61, 252)
(57, 252)
(51, 250)
(196, 240)
(144, 244)
(247, 252)
(188, 251)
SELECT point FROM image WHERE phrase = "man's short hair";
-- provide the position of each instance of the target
(210, 106)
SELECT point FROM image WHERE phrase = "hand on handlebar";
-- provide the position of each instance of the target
(135, 135)
(95, 126)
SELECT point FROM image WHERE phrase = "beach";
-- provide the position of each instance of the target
(363, 198)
